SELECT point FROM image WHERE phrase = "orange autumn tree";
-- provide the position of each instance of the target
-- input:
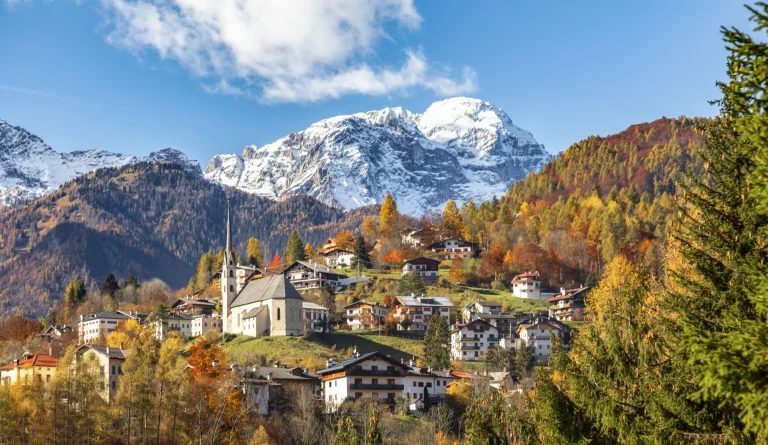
(394, 258)
(276, 262)
(457, 271)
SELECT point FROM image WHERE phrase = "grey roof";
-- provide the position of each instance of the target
(489, 303)
(276, 373)
(424, 301)
(316, 267)
(107, 314)
(105, 350)
(352, 360)
(272, 287)
(315, 306)
(253, 312)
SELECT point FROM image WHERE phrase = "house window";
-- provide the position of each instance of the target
(278, 313)
(231, 288)
(114, 385)
(113, 369)
(421, 384)
(230, 273)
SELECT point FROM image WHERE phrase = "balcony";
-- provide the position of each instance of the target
(370, 372)
(380, 386)
(470, 347)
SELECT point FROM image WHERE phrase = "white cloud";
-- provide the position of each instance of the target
(281, 50)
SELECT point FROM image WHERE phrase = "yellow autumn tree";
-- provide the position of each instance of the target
(388, 217)
(452, 225)
(126, 334)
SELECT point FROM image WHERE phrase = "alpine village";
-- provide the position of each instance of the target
(617, 294)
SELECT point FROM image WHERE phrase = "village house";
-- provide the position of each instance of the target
(471, 341)
(379, 377)
(97, 326)
(316, 316)
(539, 335)
(264, 386)
(338, 258)
(490, 311)
(203, 323)
(57, 331)
(416, 311)
(527, 285)
(364, 315)
(419, 238)
(110, 362)
(194, 306)
(328, 245)
(426, 268)
(172, 322)
(133, 315)
(37, 368)
(569, 304)
(308, 275)
(454, 248)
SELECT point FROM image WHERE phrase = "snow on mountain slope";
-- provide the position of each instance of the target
(30, 168)
(460, 149)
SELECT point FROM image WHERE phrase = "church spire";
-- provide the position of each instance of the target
(228, 251)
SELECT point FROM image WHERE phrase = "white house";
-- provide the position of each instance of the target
(426, 268)
(37, 368)
(97, 325)
(380, 377)
(418, 238)
(471, 341)
(316, 315)
(454, 248)
(338, 257)
(171, 323)
(418, 310)
(527, 285)
(539, 335)
(203, 323)
(364, 315)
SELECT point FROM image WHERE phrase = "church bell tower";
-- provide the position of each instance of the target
(228, 277)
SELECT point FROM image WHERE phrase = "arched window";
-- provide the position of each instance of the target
(231, 288)
(278, 313)
(231, 273)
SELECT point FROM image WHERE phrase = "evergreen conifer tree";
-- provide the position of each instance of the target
(361, 257)
(436, 342)
(110, 286)
(294, 249)
(411, 283)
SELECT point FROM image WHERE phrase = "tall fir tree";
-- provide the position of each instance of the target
(294, 249)
(722, 296)
(452, 225)
(254, 252)
(110, 286)
(74, 294)
(436, 343)
(361, 256)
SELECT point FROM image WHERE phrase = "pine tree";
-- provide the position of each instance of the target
(388, 217)
(361, 257)
(722, 295)
(294, 249)
(254, 253)
(411, 283)
(110, 286)
(485, 420)
(132, 282)
(436, 342)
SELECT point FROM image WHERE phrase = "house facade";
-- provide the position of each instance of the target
(365, 315)
(110, 362)
(337, 257)
(539, 334)
(308, 275)
(379, 377)
(172, 322)
(491, 312)
(316, 316)
(417, 311)
(202, 324)
(527, 285)
(263, 386)
(426, 268)
(569, 304)
(193, 306)
(29, 369)
(454, 248)
(418, 238)
(95, 326)
(471, 341)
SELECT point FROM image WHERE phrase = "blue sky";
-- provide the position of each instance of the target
(109, 74)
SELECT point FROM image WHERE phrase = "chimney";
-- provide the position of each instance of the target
(413, 295)
(562, 291)
(81, 318)
(107, 350)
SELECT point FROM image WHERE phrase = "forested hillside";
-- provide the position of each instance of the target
(146, 220)
(601, 197)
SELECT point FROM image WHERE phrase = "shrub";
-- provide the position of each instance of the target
(498, 285)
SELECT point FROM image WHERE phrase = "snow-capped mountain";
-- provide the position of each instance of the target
(459, 148)
(30, 168)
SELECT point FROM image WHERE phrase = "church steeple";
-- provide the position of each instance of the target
(228, 251)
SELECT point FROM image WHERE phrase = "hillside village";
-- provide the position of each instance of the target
(332, 290)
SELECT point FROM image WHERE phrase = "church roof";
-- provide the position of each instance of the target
(275, 287)
(253, 312)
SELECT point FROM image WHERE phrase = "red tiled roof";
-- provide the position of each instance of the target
(36, 360)
(526, 275)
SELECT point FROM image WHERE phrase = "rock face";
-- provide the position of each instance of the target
(459, 148)
(30, 168)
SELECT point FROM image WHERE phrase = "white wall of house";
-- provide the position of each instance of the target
(470, 345)
(527, 289)
(203, 323)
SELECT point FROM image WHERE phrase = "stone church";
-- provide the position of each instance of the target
(267, 306)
